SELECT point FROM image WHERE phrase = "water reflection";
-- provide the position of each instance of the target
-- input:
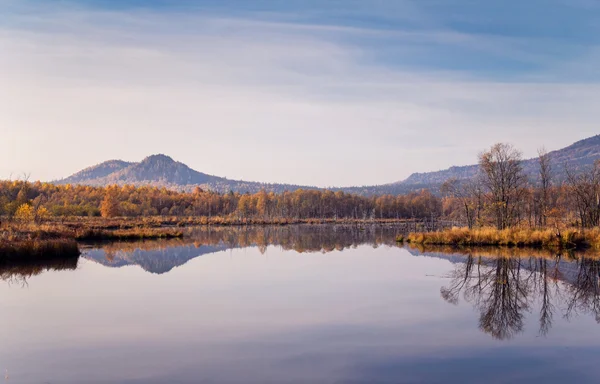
(162, 256)
(301, 304)
(19, 273)
(504, 285)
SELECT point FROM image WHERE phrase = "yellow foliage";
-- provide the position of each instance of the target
(42, 214)
(25, 213)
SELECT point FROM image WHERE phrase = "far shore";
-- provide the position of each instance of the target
(60, 236)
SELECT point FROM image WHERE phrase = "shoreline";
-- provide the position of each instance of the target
(576, 239)
(61, 237)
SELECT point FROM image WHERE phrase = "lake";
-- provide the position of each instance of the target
(301, 304)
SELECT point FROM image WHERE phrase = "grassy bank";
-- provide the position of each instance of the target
(153, 227)
(128, 234)
(24, 251)
(514, 237)
(59, 235)
(21, 243)
(193, 221)
(82, 230)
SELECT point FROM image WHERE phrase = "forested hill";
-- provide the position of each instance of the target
(577, 157)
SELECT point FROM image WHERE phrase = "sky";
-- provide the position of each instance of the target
(313, 92)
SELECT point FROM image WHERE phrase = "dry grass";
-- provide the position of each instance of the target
(234, 221)
(21, 242)
(22, 251)
(128, 234)
(514, 237)
(14, 232)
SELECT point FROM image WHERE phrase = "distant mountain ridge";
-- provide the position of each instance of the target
(162, 171)
(578, 157)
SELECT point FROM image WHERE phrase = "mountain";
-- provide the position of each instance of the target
(577, 157)
(97, 172)
(163, 171)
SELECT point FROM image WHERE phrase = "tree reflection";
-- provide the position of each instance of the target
(505, 289)
(584, 294)
(547, 308)
(503, 299)
(18, 273)
(497, 288)
(505, 285)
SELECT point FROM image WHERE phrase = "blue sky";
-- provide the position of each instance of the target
(313, 92)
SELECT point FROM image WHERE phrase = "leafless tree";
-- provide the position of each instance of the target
(545, 184)
(585, 189)
(470, 195)
(504, 179)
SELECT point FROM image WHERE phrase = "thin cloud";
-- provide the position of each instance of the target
(260, 100)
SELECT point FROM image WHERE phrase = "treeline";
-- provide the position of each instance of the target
(501, 195)
(38, 201)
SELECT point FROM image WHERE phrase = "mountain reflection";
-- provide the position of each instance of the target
(163, 255)
(505, 288)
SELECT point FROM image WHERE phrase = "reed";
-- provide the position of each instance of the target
(513, 237)
(128, 234)
(24, 251)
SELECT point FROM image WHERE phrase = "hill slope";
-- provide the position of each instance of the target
(578, 157)
(96, 172)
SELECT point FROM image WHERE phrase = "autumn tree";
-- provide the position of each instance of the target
(262, 202)
(110, 203)
(25, 213)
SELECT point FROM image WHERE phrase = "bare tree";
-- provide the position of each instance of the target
(545, 184)
(457, 189)
(503, 177)
(469, 194)
(585, 189)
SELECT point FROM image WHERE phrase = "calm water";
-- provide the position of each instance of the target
(300, 305)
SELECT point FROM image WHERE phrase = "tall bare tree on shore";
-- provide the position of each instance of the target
(545, 184)
(585, 189)
(503, 176)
